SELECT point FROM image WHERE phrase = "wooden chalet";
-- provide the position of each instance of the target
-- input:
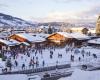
(59, 37)
(19, 38)
(33, 40)
(62, 38)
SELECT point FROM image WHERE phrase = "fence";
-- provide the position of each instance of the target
(29, 71)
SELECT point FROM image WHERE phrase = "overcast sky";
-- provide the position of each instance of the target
(51, 10)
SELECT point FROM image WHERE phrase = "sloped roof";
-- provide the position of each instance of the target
(9, 43)
(78, 36)
(14, 41)
(26, 36)
(31, 38)
(65, 34)
(94, 41)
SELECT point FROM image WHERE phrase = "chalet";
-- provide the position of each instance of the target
(40, 39)
(69, 38)
(29, 38)
(79, 39)
(5, 44)
(59, 37)
(21, 37)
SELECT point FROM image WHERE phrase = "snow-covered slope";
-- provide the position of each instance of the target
(9, 20)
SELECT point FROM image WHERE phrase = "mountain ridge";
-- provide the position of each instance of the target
(8, 20)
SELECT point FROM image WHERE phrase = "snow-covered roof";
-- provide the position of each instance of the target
(14, 41)
(83, 75)
(31, 38)
(79, 36)
(27, 44)
(9, 43)
(40, 34)
(65, 34)
(94, 41)
(26, 36)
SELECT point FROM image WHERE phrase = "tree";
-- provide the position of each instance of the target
(50, 31)
(84, 30)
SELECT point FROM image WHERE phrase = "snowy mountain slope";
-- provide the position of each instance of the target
(9, 20)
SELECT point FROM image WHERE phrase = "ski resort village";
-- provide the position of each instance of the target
(50, 53)
(49, 40)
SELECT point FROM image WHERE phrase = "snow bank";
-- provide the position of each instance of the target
(35, 77)
(14, 77)
(83, 75)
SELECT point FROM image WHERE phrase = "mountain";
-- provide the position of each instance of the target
(8, 20)
(69, 24)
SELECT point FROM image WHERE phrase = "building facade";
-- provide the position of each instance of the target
(98, 26)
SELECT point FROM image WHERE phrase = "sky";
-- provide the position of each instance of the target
(52, 10)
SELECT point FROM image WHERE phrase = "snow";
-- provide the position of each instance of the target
(79, 36)
(35, 77)
(45, 56)
(65, 34)
(83, 75)
(41, 35)
(75, 35)
(77, 74)
(14, 21)
(7, 42)
(2, 64)
(94, 41)
(26, 36)
(31, 38)
(14, 41)
(14, 77)
(27, 44)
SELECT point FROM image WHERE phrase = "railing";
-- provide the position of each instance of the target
(29, 71)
